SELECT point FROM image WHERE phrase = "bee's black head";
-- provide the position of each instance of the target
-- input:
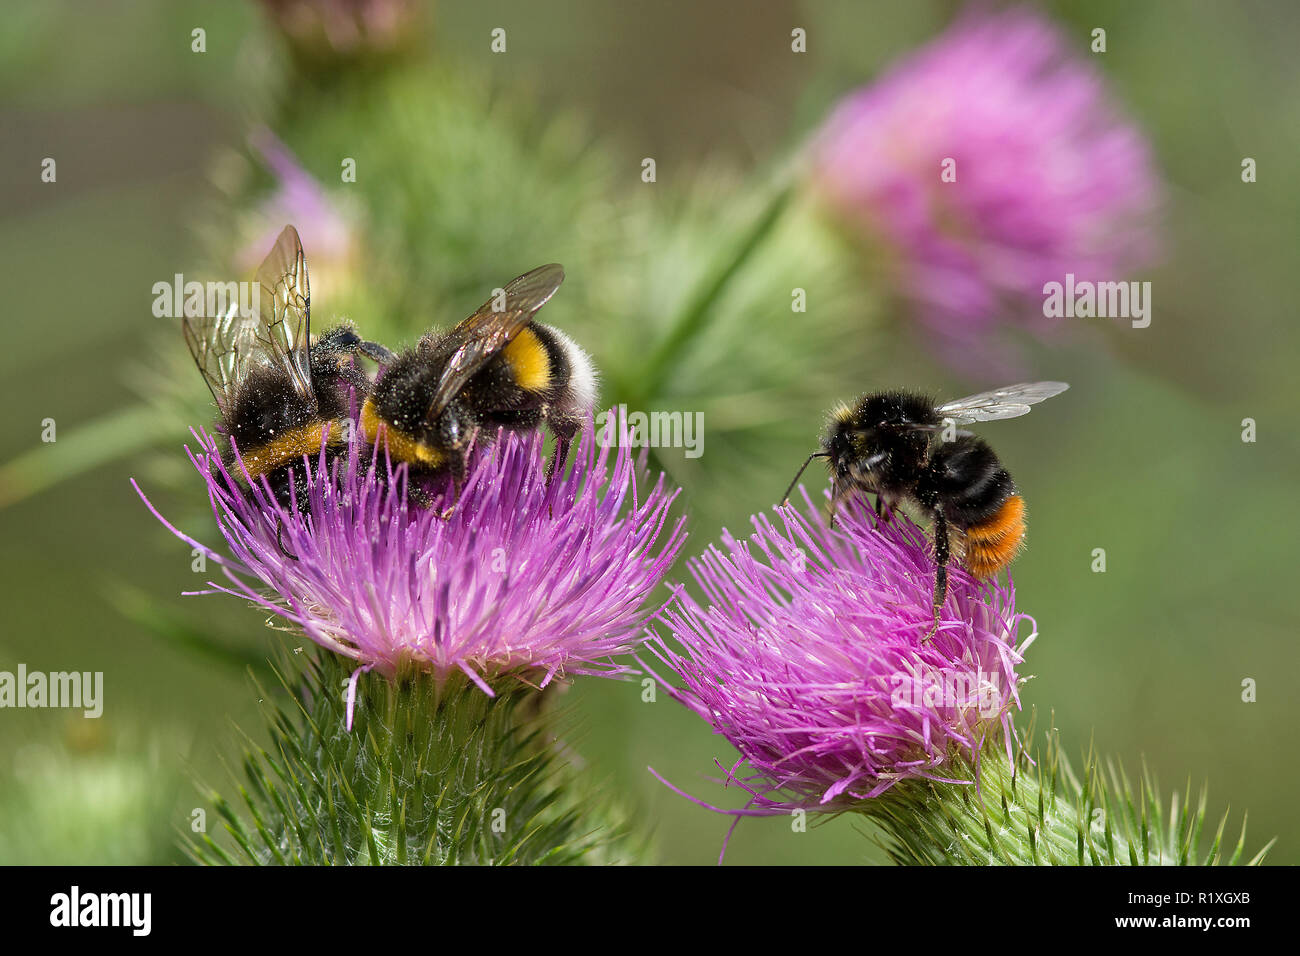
(331, 347)
(874, 442)
(843, 442)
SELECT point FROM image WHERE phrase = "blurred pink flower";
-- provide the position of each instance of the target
(327, 32)
(298, 198)
(1050, 178)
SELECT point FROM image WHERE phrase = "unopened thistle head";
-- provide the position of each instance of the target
(810, 657)
(984, 165)
(522, 581)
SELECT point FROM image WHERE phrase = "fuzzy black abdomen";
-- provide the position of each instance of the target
(265, 407)
(966, 479)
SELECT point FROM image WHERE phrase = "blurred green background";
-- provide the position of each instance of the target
(486, 165)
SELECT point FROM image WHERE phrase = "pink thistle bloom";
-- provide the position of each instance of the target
(1050, 177)
(521, 581)
(810, 658)
(299, 198)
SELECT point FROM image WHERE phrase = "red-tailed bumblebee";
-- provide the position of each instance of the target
(497, 368)
(277, 391)
(886, 445)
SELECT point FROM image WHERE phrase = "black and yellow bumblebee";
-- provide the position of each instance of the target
(277, 392)
(886, 445)
(497, 368)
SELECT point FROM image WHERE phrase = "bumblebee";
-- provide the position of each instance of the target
(497, 368)
(277, 391)
(886, 445)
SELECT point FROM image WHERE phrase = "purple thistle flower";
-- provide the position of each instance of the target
(810, 658)
(299, 198)
(523, 580)
(1050, 177)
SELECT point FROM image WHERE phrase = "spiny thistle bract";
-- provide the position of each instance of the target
(1037, 811)
(432, 774)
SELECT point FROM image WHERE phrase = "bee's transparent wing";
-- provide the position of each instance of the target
(226, 347)
(1010, 402)
(215, 343)
(284, 310)
(476, 340)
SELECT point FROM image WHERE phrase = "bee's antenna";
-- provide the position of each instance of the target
(817, 454)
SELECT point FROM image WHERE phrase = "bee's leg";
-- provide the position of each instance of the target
(279, 539)
(563, 432)
(560, 456)
(459, 472)
(456, 479)
(418, 496)
(941, 554)
(353, 377)
(836, 494)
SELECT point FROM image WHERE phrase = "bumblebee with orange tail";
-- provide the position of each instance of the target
(901, 447)
(497, 368)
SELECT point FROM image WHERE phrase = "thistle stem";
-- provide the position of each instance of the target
(693, 319)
